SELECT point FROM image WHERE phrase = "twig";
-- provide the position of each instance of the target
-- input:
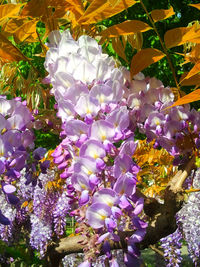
(177, 181)
(162, 44)
(157, 250)
(42, 45)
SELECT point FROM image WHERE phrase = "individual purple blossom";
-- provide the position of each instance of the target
(125, 184)
(92, 148)
(84, 198)
(66, 110)
(122, 164)
(75, 129)
(87, 107)
(96, 214)
(107, 196)
(102, 130)
(80, 182)
(85, 166)
(120, 119)
(39, 153)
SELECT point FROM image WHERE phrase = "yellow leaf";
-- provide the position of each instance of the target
(114, 2)
(125, 28)
(8, 51)
(102, 9)
(144, 58)
(193, 96)
(27, 32)
(195, 70)
(9, 10)
(160, 14)
(195, 5)
(179, 36)
(13, 24)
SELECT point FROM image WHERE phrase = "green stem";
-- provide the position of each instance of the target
(162, 44)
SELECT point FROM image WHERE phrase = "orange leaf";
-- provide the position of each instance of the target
(99, 10)
(8, 51)
(194, 80)
(179, 36)
(118, 47)
(125, 28)
(144, 58)
(114, 2)
(160, 14)
(195, 5)
(9, 10)
(193, 96)
(47, 8)
(35, 8)
(13, 24)
(135, 40)
(27, 32)
(75, 6)
(193, 71)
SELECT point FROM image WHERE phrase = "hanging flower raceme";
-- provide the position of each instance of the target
(16, 139)
(101, 175)
(172, 127)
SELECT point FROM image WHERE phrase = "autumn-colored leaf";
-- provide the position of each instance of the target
(9, 10)
(47, 9)
(12, 25)
(125, 28)
(194, 80)
(8, 51)
(75, 6)
(144, 58)
(35, 8)
(27, 32)
(102, 9)
(160, 14)
(135, 40)
(114, 2)
(195, 5)
(118, 47)
(193, 56)
(189, 98)
(193, 71)
(179, 36)
(177, 93)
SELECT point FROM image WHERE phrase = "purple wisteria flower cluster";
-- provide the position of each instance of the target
(188, 219)
(91, 174)
(23, 177)
(176, 129)
(16, 139)
(172, 248)
(100, 175)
